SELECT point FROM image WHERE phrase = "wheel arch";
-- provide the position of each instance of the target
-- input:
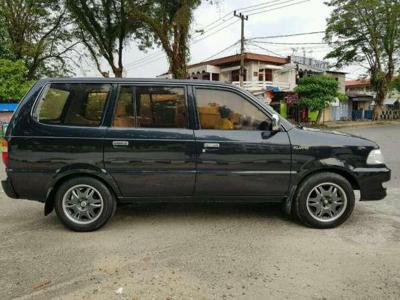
(295, 188)
(340, 171)
(52, 190)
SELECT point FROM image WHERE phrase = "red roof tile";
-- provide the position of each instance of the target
(358, 82)
(247, 57)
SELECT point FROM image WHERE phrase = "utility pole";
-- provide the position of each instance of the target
(242, 19)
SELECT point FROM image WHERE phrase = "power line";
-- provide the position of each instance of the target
(149, 56)
(288, 43)
(219, 52)
(147, 61)
(286, 35)
(292, 4)
(159, 55)
(210, 34)
(200, 32)
(270, 51)
(246, 8)
(242, 9)
(266, 5)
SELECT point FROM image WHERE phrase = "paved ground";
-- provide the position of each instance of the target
(203, 252)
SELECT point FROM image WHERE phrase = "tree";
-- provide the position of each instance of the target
(366, 31)
(13, 84)
(316, 92)
(169, 23)
(396, 83)
(36, 32)
(104, 28)
(4, 50)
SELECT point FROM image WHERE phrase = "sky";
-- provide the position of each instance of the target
(306, 16)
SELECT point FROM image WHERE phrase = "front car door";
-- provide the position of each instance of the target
(149, 146)
(238, 155)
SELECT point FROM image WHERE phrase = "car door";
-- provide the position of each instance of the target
(238, 155)
(149, 147)
(59, 133)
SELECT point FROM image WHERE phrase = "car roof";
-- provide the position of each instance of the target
(138, 80)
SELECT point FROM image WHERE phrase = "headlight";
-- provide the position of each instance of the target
(375, 157)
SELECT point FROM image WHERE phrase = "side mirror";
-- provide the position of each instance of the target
(276, 123)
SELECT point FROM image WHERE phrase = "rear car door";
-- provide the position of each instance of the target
(58, 133)
(238, 155)
(149, 146)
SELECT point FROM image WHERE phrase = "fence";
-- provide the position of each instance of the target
(390, 115)
(360, 114)
(262, 85)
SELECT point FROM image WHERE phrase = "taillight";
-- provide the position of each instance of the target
(4, 151)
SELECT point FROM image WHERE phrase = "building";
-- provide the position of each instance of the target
(274, 79)
(261, 71)
(361, 98)
(6, 111)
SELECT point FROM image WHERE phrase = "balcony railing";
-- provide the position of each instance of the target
(262, 85)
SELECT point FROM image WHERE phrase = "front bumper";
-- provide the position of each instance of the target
(9, 189)
(370, 181)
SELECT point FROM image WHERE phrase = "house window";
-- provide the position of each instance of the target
(215, 76)
(265, 75)
(235, 75)
(268, 75)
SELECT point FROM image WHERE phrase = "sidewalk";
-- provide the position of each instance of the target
(363, 123)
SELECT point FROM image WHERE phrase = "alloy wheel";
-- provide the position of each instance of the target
(326, 202)
(82, 204)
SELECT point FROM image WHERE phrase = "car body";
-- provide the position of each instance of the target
(173, 140)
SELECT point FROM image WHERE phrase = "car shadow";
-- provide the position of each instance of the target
(199, 211)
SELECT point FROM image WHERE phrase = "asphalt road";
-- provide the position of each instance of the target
(206, 251)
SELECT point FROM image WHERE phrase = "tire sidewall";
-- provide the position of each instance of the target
(311, 182)
(108, 202)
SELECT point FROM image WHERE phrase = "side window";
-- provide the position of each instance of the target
(161, 107)
(124, 114)
(72, 104)
(226, 110)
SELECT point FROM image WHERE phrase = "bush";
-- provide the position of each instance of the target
(12, 79)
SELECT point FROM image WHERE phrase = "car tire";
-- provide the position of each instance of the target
(84, 204)
(324, 200)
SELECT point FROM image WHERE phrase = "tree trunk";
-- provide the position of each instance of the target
(380, 97)
(178, 69)
(378, 108)
(319, 116)
(179, 73)
(117, 72)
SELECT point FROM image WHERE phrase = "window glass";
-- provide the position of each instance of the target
(72, 104)
(161, 107)
(225, 110)
(124, 115)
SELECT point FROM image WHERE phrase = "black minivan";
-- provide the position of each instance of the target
(82, 146)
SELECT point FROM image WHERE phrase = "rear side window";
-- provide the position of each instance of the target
(72, 104)
(150, 107)
(161, 107)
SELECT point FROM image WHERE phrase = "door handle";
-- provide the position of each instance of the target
(120, 144)
(210, 146)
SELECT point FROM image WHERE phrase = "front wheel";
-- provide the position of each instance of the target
(324, 200)
(84, 204)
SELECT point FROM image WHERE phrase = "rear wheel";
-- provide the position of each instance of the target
(324, 200)
(84, 204)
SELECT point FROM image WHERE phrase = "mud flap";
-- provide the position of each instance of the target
(289, 200)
